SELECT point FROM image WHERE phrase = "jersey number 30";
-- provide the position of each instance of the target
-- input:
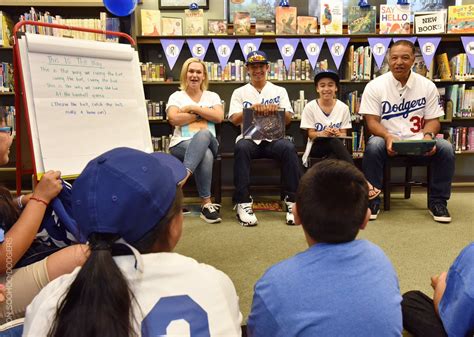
(418, 124)
(173, 308)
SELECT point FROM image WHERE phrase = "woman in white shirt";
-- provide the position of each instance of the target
(193, 111)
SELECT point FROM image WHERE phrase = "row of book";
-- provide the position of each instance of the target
(6, 77)
(156, 110)
(101, 23)
(10, 117)
(153, 72)
(458, 101)
(393, 19)
(161, 144)
(359, 63)
(358, 142)
(462, 138)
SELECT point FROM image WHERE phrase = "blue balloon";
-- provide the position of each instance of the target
(120, 7)
(284, 3)
(194, 6)
(403, 2)
(363, 3)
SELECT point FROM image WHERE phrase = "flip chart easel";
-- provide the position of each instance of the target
(76, 99)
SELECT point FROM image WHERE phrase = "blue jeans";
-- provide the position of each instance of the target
(197, 155)
(282, 150)
(442, 167)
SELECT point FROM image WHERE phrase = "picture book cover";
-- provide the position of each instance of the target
(394, 19)
(331, 16)
(258, 9)
(193, 22)
(6, 29)
(307, 25)
(259, 127)
(216, 27)
(285, 18)
(151, 22)
(192, 128)
(362, 20)
(461, 19)
(265, 27)
(241, 23)
(430, 22)
(171, 26)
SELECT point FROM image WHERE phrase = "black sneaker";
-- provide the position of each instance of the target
(374, 210)
(440, 213)
(210, 213)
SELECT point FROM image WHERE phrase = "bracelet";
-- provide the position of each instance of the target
(39, 200)
(18, 200)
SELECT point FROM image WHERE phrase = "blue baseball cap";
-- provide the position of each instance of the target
(126, 192)
(257, 56)
(326, 74)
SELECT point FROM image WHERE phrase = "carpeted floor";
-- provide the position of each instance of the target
(417, 246)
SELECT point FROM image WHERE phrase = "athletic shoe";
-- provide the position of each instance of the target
(245, 214)
(440, 213)
(374, 210)
(210, 213)
(290, 219)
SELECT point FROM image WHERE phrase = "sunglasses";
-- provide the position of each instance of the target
(7, 129)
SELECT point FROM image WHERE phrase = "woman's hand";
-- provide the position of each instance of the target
(49, 186)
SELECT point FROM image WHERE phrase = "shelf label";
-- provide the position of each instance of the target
(337, 47)
(172, 50)
(428, 46)
(379, 47)
(312, 47)
(223, 49)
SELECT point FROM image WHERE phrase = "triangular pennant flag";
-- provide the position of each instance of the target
(428, 46)
(412, 39)
(312, 47)
(223, 49)
(337, 47)
(379, 47)
(198, 47)
(248, 45)
(468, 43)
(287, 49)
(172, 48)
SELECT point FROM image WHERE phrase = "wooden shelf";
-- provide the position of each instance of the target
(7, 93)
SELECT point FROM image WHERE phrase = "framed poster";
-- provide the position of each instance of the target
(182, 4)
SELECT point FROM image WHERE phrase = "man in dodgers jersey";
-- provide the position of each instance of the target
(402, 105)
(265, 98)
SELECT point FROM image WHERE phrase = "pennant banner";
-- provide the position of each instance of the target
(172, 50)
(337, 47)
(248, 45)
(379, 47)
(223, 49)
(312, 47)
(198, 47)
(428, 46)
(287, 49)
(468, 43)
(412, 39)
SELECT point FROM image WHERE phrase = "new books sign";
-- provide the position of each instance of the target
(430, 23)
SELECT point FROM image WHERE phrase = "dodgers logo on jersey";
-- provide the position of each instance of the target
(320, 127)
(403, 109)
(275, 100)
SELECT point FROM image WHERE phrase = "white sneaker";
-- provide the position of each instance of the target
(290, 219)
(245, 214)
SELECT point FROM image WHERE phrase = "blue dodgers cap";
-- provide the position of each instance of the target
(126, 192)
(257, 56)
(326, 74)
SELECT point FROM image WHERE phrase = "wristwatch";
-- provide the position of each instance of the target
(431, 134)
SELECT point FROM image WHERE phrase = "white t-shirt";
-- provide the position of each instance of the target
(314, 118)
(180, 99)
(169, 280)
(402, 109)
(247, 95)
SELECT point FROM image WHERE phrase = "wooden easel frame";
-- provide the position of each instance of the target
(21, 106)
